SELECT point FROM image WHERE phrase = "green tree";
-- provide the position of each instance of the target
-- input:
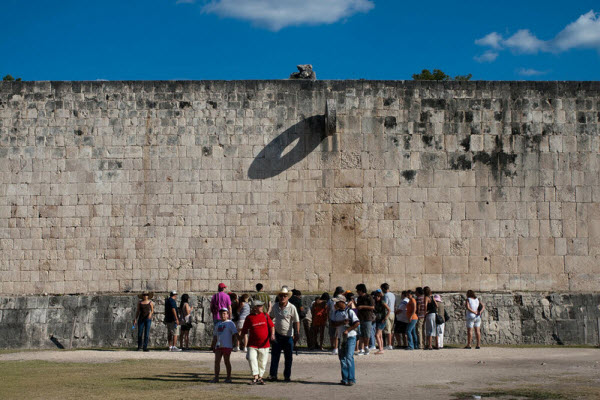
(439, 75)
(9, 78)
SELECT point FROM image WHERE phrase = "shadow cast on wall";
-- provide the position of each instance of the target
(272, 161)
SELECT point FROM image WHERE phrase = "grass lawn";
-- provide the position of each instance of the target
(115, 380)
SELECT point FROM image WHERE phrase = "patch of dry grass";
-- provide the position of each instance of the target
(117, 380)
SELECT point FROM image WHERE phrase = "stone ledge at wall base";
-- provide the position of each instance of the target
(45, 322)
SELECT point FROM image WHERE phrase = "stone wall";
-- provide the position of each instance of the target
(124, 186)
(106, 321)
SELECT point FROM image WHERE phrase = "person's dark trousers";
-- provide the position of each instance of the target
(143, 330)
(285, 343)
(308, 332)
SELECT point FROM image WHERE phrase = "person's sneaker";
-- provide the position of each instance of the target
(287, 380)
(372, 348)
(389, 348)
(236, 349)
(335, 352)
(175, 348)
(367, 352)
(146, 350)
(227, 380)
(243, 349)
(361, 353)
(139, 349)
(350, 384)
(272, 378)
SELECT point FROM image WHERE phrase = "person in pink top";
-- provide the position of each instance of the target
(219, 301)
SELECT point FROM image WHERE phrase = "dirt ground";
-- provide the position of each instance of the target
(493, 372)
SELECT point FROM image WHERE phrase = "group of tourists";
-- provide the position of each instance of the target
(358, 323)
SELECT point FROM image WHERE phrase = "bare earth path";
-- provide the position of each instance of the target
(572, 372)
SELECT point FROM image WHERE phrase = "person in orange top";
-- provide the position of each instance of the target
(411, 313)
(320, 313)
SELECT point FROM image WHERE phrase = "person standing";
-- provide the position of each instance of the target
(218, 301)
(185, 311)
(474, 308)
(264, 297)
(365, 306)
(346, 322)
(390, 299)
(320, 313)
(225, 334)
(382, 312)
(287, 325)
(172, 320)
(411, 314)
(243, 312)
(401, 321)
(440, 327)
(296, 300)
(430, 314)
(143, 319)
(421, 321)
(259, 327)
(332, 331)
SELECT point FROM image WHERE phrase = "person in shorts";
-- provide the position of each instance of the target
(365, 306)
(172, 320)
(474, 308)
(390, 299)
(225, 332)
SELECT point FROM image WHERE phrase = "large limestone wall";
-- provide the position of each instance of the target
(122, 186)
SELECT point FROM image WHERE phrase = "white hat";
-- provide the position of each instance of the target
(284, 290)
(173, 292)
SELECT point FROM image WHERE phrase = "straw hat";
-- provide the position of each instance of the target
(284, 290)
(149, 294)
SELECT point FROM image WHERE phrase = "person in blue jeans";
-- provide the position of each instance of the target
(143, 319)
(287, 326)
(411, 313)
(345, 322)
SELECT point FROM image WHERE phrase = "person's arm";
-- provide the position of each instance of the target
(470, 309)
(174, 310)
(389, 310)
(137, 313)
(482, 308)
(229, 309)
(151, 310)
(271, 326)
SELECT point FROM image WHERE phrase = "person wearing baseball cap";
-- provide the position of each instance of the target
(345, 322)
(172, 320)
(259, 327)
(219, 300)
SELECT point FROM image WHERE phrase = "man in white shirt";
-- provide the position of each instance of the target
(401, 321)
(346, 322)
(287, 326)
(390, 299)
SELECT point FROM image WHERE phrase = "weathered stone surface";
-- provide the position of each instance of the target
(106, 321)
(305, 71)
(112, 187)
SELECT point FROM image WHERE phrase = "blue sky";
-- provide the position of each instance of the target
(265, 39)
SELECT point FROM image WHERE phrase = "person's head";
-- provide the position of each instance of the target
(146, 295)
(338, 290)
(340, 302)
(296, 293)
(258, 307)
(224, 314)
(437, 298)
(361, 289)
(259, 287)
(403, 294)
(173, 294)
(427, 291)
(185, 298)
(233, 296)
(325, 296)
(419, 291)
(409, 294)
(349, 295)
(222, 286)
(283, 296)
(244, 298)
(378, 295)
(471, 294)
(385, 287)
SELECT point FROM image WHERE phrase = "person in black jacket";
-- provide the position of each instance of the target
(296, 300)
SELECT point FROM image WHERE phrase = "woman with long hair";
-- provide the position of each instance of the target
(243, 312)
(430, 313)
(382, 313)
(185, 311)
(143, 319)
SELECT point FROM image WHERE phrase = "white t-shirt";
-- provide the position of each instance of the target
(224, 332)
(390, 299)
(401, 316)
(340, 315)
(474, 304)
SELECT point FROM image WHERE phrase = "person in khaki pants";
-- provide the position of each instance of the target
(390, 299)
(260, 329)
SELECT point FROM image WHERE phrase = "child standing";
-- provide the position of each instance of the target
(225, 331)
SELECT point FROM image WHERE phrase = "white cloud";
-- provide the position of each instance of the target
(493, 40)
(277, 14)
(488, 56)
(583, 33)
(531, 72)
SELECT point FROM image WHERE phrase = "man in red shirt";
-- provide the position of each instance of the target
(260, 328)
